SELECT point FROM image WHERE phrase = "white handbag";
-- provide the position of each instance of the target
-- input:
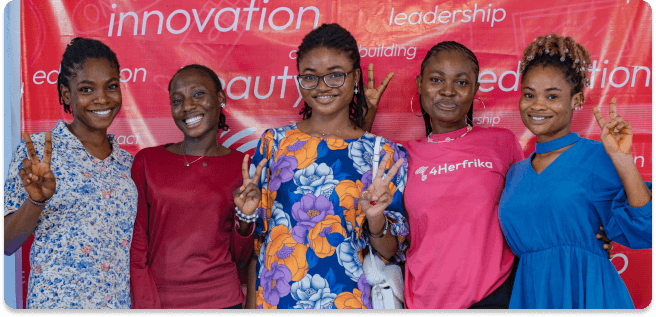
(386, 279)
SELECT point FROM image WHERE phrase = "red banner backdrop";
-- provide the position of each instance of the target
(251, 45)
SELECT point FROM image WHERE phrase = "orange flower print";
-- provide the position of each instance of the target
(317, 235)
(348, 300)
(355, 216)
(125, 243)
(105, 267)
(336, 144)
(300, 145)
(257, 247)
(86, 249)
(37, 269)
(268, 197)
(349, 193)
(283, 249)
(267, 144)
(260, 302)
(387, 148)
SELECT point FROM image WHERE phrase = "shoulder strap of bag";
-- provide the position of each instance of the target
(376, 160)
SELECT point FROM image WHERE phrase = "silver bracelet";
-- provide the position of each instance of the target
(244, 217)
(37, 203)
(384, 230)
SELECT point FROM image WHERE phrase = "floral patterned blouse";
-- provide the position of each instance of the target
(80, 257)
(310, 240)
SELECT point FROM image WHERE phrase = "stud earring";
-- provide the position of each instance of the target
(356, 88)
(223, 105)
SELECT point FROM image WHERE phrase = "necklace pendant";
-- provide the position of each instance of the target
(186, 164)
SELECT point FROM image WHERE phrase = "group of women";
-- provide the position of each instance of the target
(476, 224)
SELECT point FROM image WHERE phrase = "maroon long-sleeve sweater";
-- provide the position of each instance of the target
(186, 250)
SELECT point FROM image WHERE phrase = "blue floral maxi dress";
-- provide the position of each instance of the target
(309, 235)
(80, 257)
(550, 221)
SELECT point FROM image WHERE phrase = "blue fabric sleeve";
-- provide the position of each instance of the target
(626, 225)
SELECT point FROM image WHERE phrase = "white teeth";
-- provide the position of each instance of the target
(538, 118)
(193, 120)
(324, 97)
(102, 112)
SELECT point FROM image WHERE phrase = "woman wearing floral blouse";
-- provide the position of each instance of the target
(71, 188)
(316, 226)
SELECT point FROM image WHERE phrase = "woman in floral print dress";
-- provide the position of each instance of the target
(314, 226)
(71, 188)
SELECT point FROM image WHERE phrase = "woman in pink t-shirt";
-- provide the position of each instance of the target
(457, 257)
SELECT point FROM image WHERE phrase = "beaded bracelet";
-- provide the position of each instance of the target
(384, 230)
(244, 217)
(37, 203)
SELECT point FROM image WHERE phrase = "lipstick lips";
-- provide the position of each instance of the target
(193, 120)
(324, 99)
(538, 118)
(101, 113)
(447, 105)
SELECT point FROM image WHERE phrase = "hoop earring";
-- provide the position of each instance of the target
(413, 112)
(484, 109)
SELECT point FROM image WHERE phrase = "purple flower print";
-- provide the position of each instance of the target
(364, 287)
(366, 181)
(398, 154)
(307, 212)
(282, 171)
(275, 283)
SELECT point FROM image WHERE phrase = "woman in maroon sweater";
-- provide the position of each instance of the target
(189, 239)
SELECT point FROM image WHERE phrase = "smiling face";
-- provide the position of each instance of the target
(94, 94)
(322, 99)
(547, 103)
(447, 87)
(195, 103)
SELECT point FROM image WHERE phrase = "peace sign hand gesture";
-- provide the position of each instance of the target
(38, 180)
(248, 196)
(372, 95)
(378, 196)
(616, 135)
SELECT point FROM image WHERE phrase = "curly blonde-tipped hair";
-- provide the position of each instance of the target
(563, 53)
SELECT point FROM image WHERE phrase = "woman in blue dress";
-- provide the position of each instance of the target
(556, 198)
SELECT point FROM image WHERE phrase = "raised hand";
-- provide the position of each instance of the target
(378, 196)
(372, 95)
(38, 180)
(248, 196)
(616, 135)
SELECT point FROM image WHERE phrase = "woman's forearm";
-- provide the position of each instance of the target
(637, 192)
(386, 245)
(20, 225)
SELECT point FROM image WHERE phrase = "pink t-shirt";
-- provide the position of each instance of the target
(457, 253)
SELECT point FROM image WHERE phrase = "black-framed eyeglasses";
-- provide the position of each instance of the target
(332, 80)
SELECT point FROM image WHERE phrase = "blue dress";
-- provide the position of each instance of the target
(550, 221)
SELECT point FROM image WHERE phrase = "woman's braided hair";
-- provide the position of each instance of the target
(336, 37)
(77, 51)
(217, 86)
(448, 46)
(564, 54)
